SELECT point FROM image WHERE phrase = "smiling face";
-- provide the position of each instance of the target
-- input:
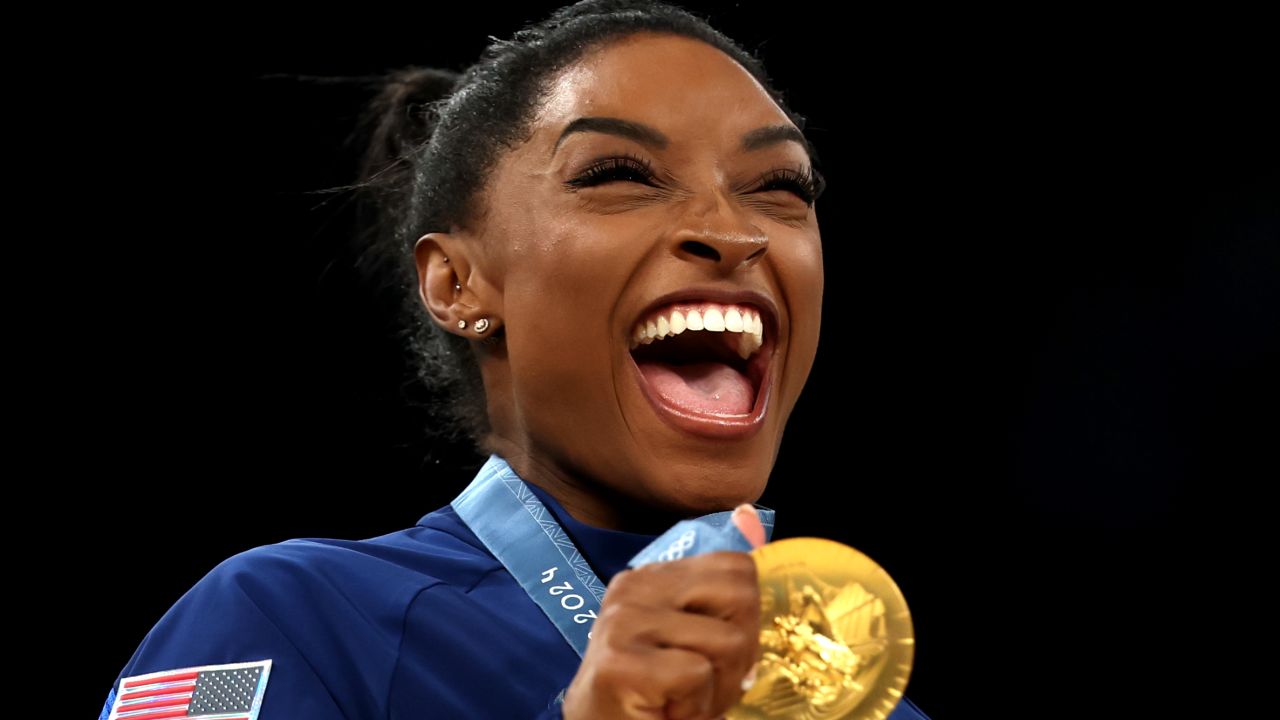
(658, 188)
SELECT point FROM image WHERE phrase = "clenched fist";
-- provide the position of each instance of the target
(674, 640)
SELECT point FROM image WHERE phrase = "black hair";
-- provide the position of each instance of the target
(433, 137)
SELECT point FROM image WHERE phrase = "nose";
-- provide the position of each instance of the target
(716, 232)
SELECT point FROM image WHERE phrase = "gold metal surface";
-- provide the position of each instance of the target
(835, 635)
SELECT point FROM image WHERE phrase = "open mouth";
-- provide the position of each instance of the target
(705, 365)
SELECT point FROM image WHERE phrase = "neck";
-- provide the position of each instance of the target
(588, 501)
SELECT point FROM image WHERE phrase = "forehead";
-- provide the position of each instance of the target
(687, 89)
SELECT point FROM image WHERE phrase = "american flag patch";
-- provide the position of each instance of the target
(224, 692)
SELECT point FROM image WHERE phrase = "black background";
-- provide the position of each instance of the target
(1045, 399)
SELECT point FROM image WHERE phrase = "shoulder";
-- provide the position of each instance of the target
(301, 580)
(328, 613)
(378, 574)
(390, 568)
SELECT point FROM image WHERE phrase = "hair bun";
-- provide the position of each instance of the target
(401, 115)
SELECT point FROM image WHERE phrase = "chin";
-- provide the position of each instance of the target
(712, 487)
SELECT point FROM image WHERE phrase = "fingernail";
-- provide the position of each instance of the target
(748, 522)
(749, 681)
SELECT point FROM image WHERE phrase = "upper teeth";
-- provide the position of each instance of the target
(676, 319)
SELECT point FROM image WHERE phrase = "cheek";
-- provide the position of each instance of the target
(573, 263)
(812, 272)
(804, 276)
(559, 305)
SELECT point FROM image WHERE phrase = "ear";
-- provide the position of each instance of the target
(451, 287)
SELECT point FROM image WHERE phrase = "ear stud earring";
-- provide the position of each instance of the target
(462, 324)
(481, 325)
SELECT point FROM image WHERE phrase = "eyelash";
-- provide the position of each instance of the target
(807, 184)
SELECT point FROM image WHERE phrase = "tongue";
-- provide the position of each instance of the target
(702, 387)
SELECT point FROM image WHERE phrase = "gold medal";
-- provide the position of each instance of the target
(835, 635)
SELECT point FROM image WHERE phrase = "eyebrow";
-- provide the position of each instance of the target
(757, 139)
(773, 135)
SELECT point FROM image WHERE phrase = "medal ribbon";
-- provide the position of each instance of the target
(526, 538)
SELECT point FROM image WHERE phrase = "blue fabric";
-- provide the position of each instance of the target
(106, 707)
(516, 528)
(416, 624)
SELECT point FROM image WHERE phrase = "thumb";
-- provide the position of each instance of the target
(748, 522)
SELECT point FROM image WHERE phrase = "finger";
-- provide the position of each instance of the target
(729, 647)
(687, 682)
(748, 522)
(646, 684)
(721, 584)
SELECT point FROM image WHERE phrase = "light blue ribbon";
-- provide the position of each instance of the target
(524, 536)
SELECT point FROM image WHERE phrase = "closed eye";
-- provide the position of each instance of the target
(807, 184)
(627, 167)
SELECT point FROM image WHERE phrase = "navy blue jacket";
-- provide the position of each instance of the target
(416, 624)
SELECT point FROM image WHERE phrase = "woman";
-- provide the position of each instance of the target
(609, 222)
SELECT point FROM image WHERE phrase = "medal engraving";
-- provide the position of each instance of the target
(836, 639)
